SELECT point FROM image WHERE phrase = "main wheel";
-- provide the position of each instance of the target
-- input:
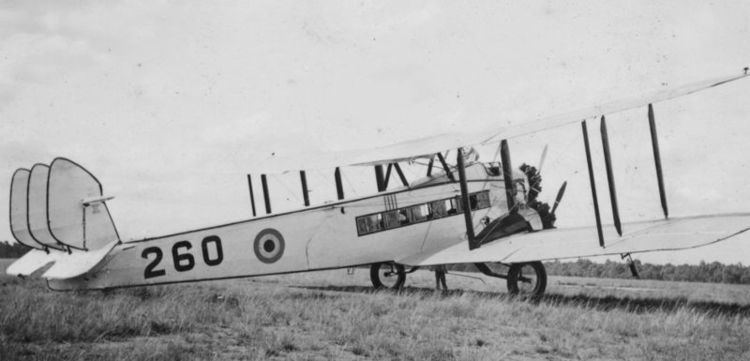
(387, 275)
(527, 279)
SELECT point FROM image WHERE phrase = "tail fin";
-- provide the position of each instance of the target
(78, 216)
(60, 211)
(19, 226)
(36, 208)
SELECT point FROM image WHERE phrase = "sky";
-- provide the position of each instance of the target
(170, 104)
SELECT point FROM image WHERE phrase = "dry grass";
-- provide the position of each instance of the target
(329, 315)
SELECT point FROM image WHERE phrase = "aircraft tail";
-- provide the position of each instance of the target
(59, 211)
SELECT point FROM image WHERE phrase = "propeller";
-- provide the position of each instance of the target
(560, 194)
(542, 158)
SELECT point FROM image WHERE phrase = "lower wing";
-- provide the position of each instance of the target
(648, 236)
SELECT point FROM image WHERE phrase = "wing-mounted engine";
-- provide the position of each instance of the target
(534, 178)
(59, 211)
(527, 212)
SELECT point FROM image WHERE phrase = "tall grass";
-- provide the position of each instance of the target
(265, 319)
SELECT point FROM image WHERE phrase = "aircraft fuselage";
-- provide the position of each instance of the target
(379, 228)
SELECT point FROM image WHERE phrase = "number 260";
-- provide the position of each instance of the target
(182, 259)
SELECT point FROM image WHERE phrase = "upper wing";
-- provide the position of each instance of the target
(428, 146)
(661, 235)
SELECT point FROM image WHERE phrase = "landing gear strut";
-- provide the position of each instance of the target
(387, 275)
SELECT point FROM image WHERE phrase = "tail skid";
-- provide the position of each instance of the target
(60, 212)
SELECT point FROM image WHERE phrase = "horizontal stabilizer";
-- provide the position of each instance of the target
(77, 263)
(651, 236)
(33, 261)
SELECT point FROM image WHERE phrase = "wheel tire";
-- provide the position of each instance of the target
(538, 279)
(387, 269)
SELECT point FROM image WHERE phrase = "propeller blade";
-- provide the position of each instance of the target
(541, 160)
(560, 194)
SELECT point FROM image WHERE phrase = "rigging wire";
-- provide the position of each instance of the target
(278, 180)
(351, 186)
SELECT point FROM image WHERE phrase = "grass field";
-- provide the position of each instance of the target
(332, 315)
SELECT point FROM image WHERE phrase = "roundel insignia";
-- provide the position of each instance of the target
(269, 245)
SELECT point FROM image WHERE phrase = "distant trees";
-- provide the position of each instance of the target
(704, 272)
(12, 250)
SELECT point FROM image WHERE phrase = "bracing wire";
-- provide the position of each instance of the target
(351, 186)
(278, 180)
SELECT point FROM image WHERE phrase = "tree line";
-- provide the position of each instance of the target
(714, 272)
(12, 250)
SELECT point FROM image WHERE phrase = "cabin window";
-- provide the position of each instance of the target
(390, 219)
(456, 205)
(403, 216)
(440, 208)
(361, 225)
(483, 200)
(418, 213)
(421, 212)
(370, 224)
(479, 200)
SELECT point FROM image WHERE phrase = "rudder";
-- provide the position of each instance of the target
(78, 216)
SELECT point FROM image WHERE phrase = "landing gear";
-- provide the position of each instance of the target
(527, 279)
(387, 275)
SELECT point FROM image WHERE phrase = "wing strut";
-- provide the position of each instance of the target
(401, 174)
(305, 192)
(252, 196)
(379, 177)
(593, 183)
(465, 204)
(387, 176)
(266, 197)
(507, 174)
(657, 161)
(610, 176)
(429, 166)
(339, 185)
(446, 168)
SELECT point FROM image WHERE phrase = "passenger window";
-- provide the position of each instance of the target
(421, 212)
(483, 200)
(439, 208)
(390, 219)
(455, 206)
(369, 224)
(403, 217)
(375, 222)
(479, 200)
(473, 201)
(362, 225)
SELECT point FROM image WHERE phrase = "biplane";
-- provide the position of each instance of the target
(461, 211)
